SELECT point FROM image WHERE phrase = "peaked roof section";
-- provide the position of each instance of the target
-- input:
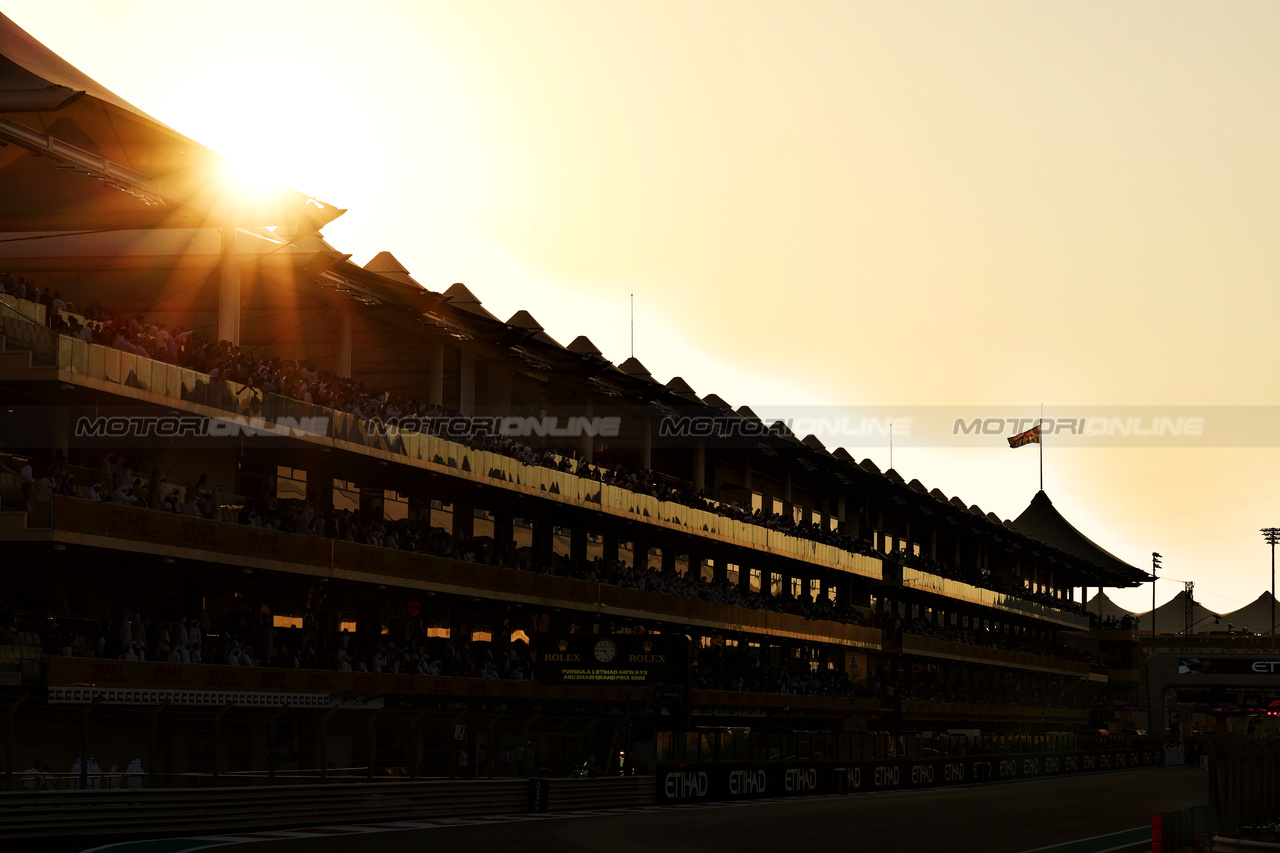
(1106, 608)
(385, 264)
(582, 345)
(464, 300)
(633, 367)
(683, 390)
(1254, 616)
(1040, 520)
(718, 402)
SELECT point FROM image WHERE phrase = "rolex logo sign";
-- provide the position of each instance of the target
(617, 659)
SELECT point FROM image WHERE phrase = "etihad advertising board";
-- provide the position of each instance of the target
(691, 783)
(1233, 665)
(612, 659)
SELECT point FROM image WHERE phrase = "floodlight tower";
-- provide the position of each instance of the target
(1155, 564)
(1272, 535)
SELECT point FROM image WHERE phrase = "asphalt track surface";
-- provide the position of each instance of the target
(999, 818)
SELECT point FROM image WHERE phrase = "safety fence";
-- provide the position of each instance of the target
(745, 745)
(1244, 781)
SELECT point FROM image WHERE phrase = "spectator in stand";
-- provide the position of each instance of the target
(124, 495)
(33, 778)
(27, 478)
(133, 774)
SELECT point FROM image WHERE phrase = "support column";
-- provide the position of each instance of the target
(504, 532)
(373, 741)
(11, 768)
(84, 743)
(587, 442)
(646, 444)
(610, 549)
(415, 760)
(343, 366)
(437, 374)
(464, 521)
(467, 383)
(154, 758)
(578, 545)
(640, 554)
(229, 289)
(542, 540)
(320, 481)
(699, 466)
(271, 743)
(217, 740)
(324, 742)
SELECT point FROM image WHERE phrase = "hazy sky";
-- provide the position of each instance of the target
(814, 203)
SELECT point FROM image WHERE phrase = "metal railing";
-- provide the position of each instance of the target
(854, 746)
(259, 409)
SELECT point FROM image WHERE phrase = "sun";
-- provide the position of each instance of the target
(250, 178)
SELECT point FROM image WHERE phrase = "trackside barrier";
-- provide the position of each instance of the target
(1223, 844)
(141, 811)
(570, 794)
(691, 783)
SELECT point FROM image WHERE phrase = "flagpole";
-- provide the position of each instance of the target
(1041, 425)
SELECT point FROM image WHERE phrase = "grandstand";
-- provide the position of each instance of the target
(268, 513)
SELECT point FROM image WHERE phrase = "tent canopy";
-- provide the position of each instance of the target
(1171, 617)
(1106, 608)
(1254, 616)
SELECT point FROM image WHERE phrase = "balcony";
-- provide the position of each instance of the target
(84, 680)
(960, 591)
(105, 525)
(147, 380)
(914, 644)
(969, 711)
(743, 699)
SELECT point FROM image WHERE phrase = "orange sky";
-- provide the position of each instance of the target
(815, 203)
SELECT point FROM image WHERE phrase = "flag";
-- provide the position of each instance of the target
(1031, 436)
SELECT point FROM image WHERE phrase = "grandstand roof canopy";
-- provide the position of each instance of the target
(76, 156)
(1040, 520)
